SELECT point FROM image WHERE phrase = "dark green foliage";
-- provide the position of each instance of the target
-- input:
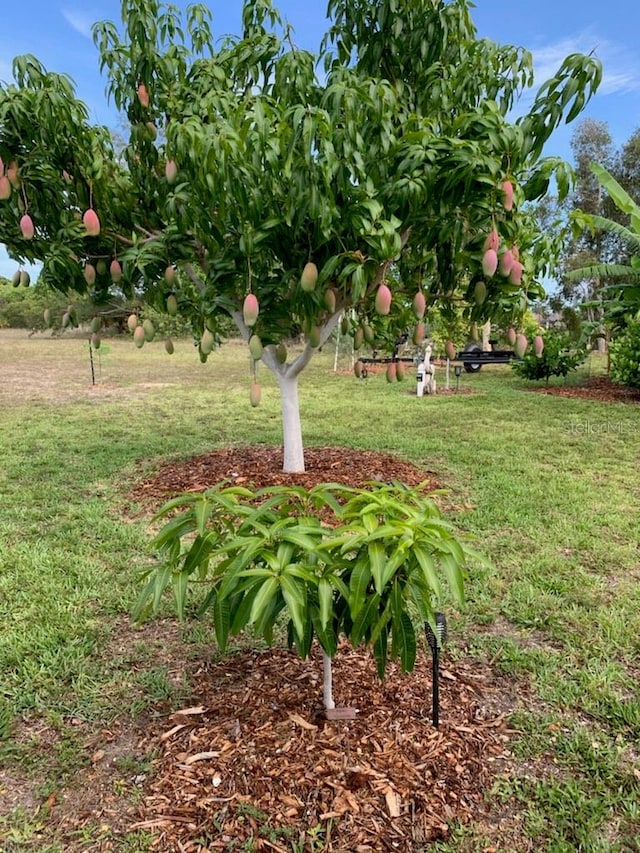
(625, 356)
(374, 574)
(560, 356)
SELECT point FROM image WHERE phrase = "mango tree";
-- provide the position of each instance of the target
(280, 187)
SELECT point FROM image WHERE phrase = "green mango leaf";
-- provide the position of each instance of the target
(377, 560)
(404, 641)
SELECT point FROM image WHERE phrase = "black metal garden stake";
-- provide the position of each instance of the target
(435, 644)
(93, 373)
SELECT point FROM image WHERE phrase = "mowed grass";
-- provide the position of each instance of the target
(548, 485)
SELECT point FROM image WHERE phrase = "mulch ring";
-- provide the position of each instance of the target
(255, 758)
(257, 466)
(598, 388)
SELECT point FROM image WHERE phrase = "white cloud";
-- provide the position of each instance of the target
(621, 68)
(80, 22)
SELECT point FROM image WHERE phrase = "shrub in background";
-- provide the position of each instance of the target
(560, 356)
(625, 355)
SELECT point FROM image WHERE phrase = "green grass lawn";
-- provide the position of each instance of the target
(553, 493)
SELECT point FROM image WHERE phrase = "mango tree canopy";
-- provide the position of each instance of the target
(387, 158)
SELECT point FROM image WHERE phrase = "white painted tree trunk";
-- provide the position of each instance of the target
(291, 426)
(287, 378)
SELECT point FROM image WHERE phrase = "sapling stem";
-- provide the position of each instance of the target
(327, 686)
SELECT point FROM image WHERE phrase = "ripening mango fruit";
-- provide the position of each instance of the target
(507, 195)
(281, 353)
(96, 324)
(25, 278)
(450, 350)
(143, 96)
(115, 271)
(506, 263)
(207, 341)
(309, 277)
(369, 334)
(492, 241)
(132, 322)
(15, 278)
(89, 273)
(255, 347)
(13, 174)
(250, 310)
(330, 300)
(26, 226)
(170, 274)
(383, 300)
(538, 345)
(66, 319)
(511, 336)
(101, 267)
(170, 171)
(139, 337)
(172, 305)
(95, 340)
(418, 334)
(255, 393)
(480, 292)
(392, 371)
(168, 345)
(358, 338)
(419, 305)
(490, 262)
(400, 371)
(91, 222)
(5, 188)
(149, 330)
(344, 325)
(47, 317)
(515, 276)
(314, 337)
(521, 345)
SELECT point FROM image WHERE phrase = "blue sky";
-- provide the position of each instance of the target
(58, 33)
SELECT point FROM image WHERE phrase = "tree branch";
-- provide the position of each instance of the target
(195, 278)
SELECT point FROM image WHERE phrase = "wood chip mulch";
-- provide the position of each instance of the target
(256, 466)
(598, 388)
(255, 758)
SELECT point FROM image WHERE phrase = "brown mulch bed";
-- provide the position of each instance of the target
(598, 388)
(257, 466)
(254, 758)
